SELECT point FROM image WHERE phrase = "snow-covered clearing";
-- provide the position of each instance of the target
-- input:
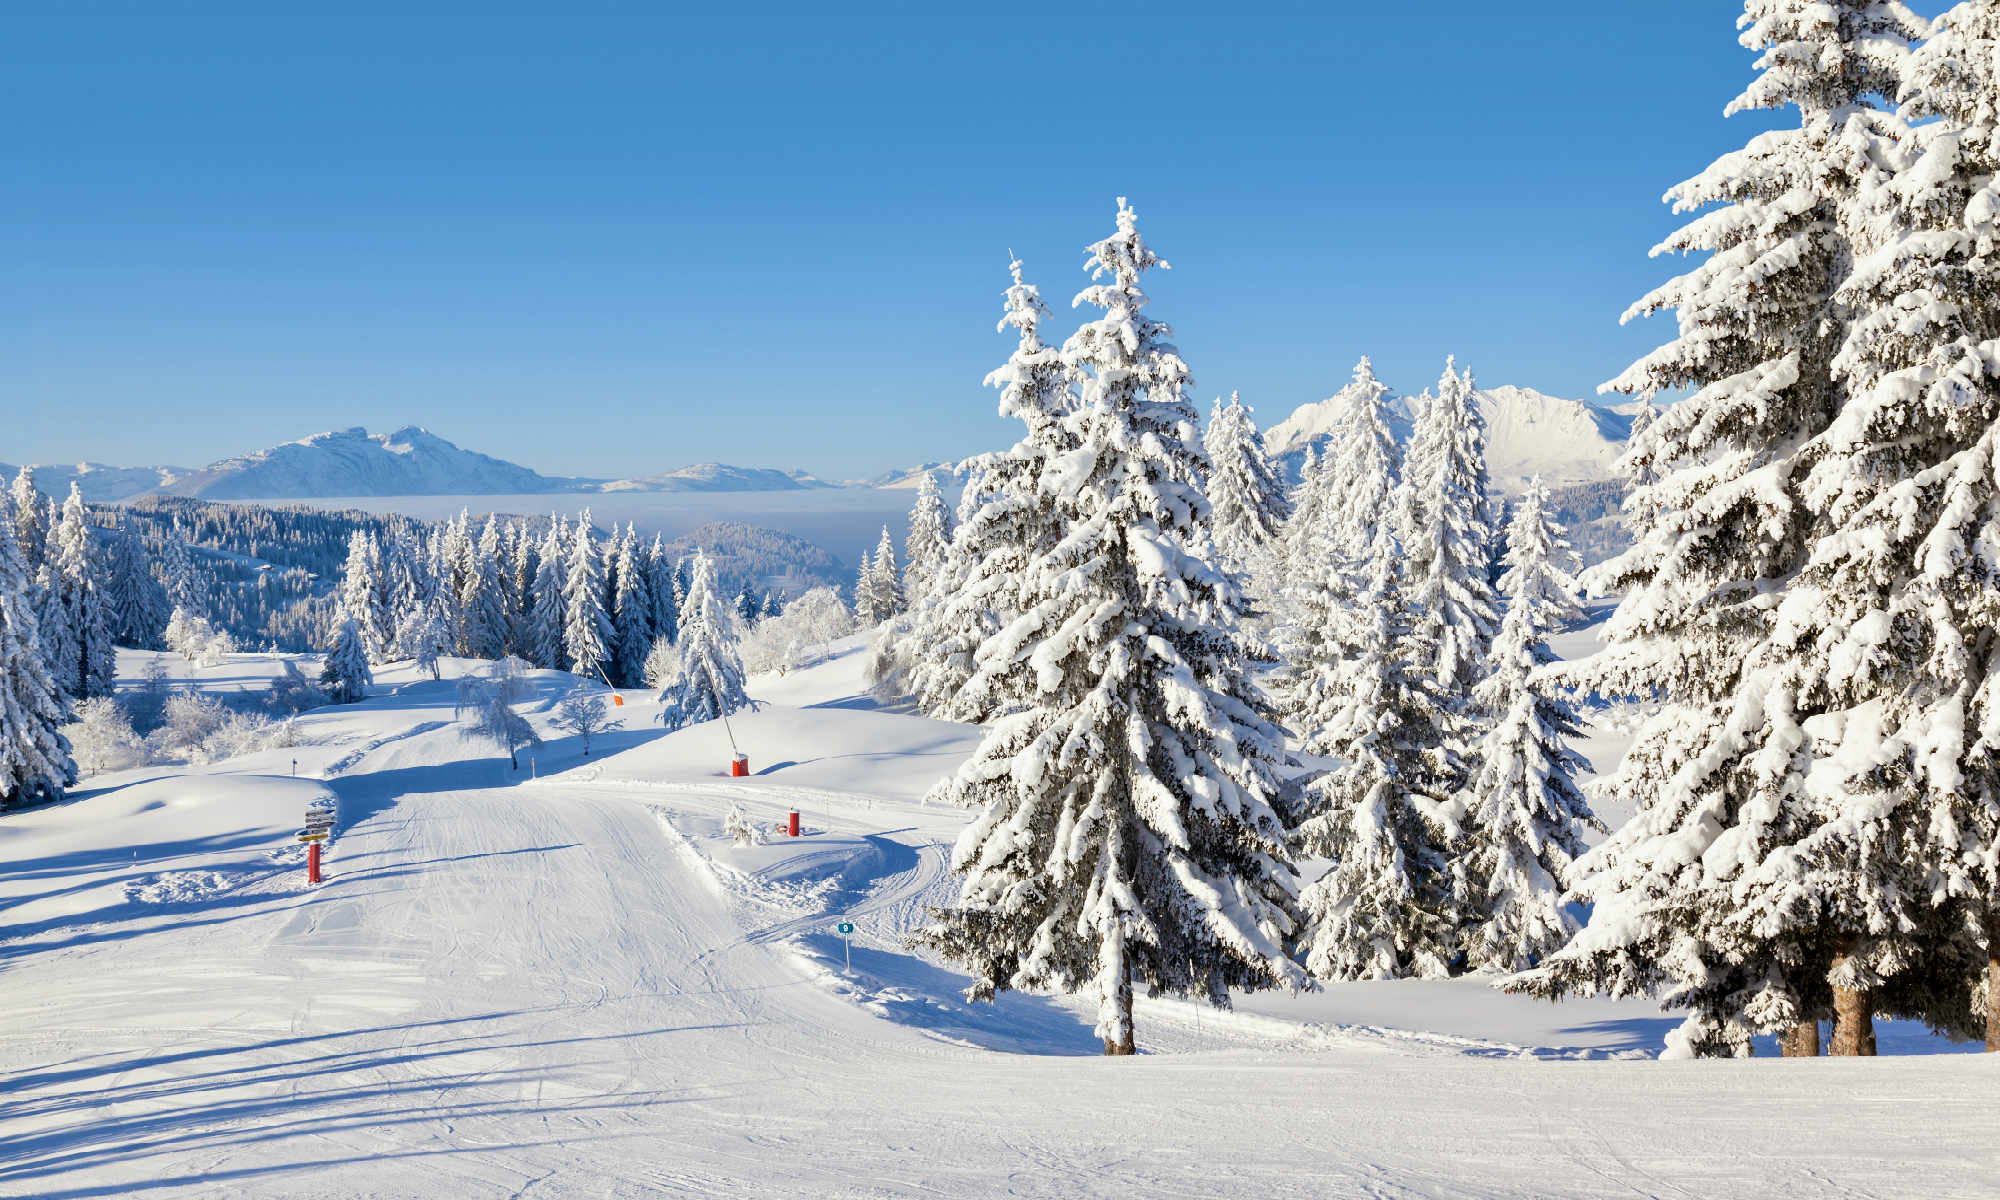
(576, 984)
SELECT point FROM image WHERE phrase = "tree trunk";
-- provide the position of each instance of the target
(1121, 999)
(1993, 981)
(1853, 1019)
(1800, 1041)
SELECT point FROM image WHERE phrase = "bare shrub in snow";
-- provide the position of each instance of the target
(102, 739)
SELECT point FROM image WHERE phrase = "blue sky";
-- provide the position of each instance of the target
(617, 239)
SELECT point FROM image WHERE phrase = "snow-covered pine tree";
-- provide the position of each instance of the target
(864, 590)
(345, 674)
(138, 604)
(522, 560)
(1764, 870)
(35, 762)
(546, 617)
(482, 598)
(79, 576)
(185, 584)
(885, 589)
(1447, 533)
(586, 628)
(1525, 815)
(1129, 830)
(1637, 466)
(31, 523)
(709, 681)
(748, 606)
(62, 650)
(360, 594)
(425, 635)
(632, 614)
(928, 542)
(662, 592)
(1355, 486)
(1004, 520)
(1386, 814)
(1244, 493)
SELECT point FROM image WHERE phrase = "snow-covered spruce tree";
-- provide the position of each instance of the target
(1005, 520)
(928, 542)
(864, 590)
(1540, 563)
(586, 628)
(185, 583)
(748, 606)
(1354, 498)
(1896, 599)
(1637, 466)
(1129, 830)
(1386, 814)
(1768, 868)
(1245, 495)
(61, 647)
(361, 595)
(547, 614)
(490, 699)
(345, 674)
(138, 603)
(80, 579)
(425, 635)
(662, 592)
(631, 614)
(1447, 532)
(31, 523)
(524, 558)
(709, 681)
(1525, 815)
(482, 597)
(35, 761)
(884, 595)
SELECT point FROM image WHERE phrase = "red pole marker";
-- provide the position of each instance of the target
(739, 766)
(793, 825)
(312, 862)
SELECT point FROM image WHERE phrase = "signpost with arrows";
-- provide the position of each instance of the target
(320, 817)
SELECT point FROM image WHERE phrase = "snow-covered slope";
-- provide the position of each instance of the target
(99, 484)
(412, 461)
(1528, 433)
(946, 474)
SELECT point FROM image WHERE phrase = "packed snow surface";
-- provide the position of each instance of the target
(571, 981)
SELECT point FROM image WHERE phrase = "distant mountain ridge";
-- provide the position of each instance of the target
(1528, 433)
(412, 461)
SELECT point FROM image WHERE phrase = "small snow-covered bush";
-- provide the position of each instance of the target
(197, 641)
(102, 738)
(742, 830)
(662, 663)
(200, 728)
(292, 693)
(800, 635)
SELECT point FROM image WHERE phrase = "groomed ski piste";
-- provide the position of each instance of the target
(569, 981)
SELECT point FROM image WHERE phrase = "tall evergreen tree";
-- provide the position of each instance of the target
(1525, 812)
(546, 618)
(586, 628)
(35, 762)
(1244, 493)
(1387, 813)
(77, 567)
(1355, 484)
(927, 544)
(344, 674)
(1447, 532)
(361, 595)
(31, 524)
(709, 681)
(1763, 884)
(1129, 830)
(1005, 520)
(632, 614)
(662, 591)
